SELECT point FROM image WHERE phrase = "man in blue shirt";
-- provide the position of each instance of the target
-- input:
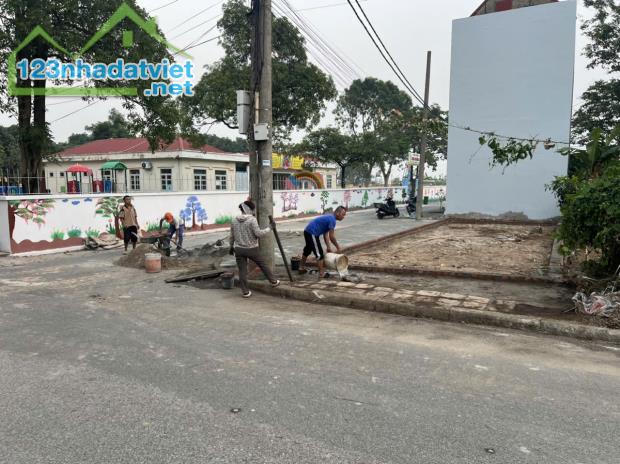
(322, 225)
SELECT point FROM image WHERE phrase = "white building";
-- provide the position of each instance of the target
(176, 167)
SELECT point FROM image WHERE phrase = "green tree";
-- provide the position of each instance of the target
(601, 102)
(9, 149)
(300, 89)
(591, 220)
(236, 145)
(71, 23)
(329, 145)
(600, 108)
(391, 125)
(115, 127)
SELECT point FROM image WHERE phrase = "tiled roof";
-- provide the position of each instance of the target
(133, 145)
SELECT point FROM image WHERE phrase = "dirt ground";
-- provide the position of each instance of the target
(484, 248)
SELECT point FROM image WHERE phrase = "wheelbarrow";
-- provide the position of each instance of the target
(162, 241)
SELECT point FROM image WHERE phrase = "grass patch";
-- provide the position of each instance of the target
(224, 220)
(74, 233)
(96, 233)
(58, 235)
(153, 227)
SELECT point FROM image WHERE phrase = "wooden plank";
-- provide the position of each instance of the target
(210, 274)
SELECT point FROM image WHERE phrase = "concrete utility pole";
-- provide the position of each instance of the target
(261, 175)
(423, 141)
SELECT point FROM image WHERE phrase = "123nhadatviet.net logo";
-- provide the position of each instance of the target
(78, 69)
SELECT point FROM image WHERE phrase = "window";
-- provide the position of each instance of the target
(221, 180)
(329, 181)
(51, 174)
(200, 179)
(107, 175)
(134, 179)
(166, 179)
(62, 174)
(279, 181)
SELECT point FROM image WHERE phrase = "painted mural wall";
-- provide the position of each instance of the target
(34, 223)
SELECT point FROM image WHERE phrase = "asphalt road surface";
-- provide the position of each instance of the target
(100, 364)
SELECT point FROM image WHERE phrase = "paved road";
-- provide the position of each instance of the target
(106, 365)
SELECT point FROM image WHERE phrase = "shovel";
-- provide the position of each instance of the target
(272, 223)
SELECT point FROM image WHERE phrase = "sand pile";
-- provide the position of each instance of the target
(135, 259)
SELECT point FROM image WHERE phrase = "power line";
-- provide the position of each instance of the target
(319, 57)
(411, 90)
(332, 5)
(411, 87)
(163, 6)
(403, 79)
(196, 26)
(339, 55)
(75, 111)
(318, 48)
(182, 23)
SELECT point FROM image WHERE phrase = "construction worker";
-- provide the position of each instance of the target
(129, 220)
(244, 235)
(321, 226)
(175, 226)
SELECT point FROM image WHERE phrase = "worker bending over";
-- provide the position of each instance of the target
(175, 226)
(321, 226)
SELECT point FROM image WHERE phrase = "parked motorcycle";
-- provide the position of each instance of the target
(411, 205)
(386, 209)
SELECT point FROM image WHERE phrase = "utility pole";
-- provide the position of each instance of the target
(423, 141)
(261, 175)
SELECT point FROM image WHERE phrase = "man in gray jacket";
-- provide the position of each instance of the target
(244, 235)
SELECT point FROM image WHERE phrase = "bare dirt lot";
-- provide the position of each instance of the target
(477, 248)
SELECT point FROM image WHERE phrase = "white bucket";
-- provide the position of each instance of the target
(152, 262)
(336, 262)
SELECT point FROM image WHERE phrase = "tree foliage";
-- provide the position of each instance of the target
(591, 220)
(601, 102)
(390, 124)
(71, 24)
(9, 148)
(330, 145)
(589, 200)
(300, 89)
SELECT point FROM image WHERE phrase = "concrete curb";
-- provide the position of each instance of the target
(452, 314)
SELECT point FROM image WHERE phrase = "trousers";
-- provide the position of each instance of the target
(245, 254)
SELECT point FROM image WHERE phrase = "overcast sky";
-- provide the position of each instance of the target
(408, 28)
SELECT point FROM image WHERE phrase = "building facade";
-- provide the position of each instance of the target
(177, 167)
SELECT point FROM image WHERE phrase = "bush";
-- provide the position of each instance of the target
(74, 233)
(591, 220)
(223, 220)
(96, 233)
(58, 235)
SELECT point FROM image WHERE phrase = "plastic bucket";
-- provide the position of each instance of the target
(339, 263)
(152, 262)
(295, 261)
(228, 280)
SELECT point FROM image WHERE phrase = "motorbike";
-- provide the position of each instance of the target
(411, 205)
(386, 209)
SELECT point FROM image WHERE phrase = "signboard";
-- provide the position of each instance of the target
(287, 162)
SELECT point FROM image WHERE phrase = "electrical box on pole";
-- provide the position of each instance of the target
(261, 132)
(244, 102)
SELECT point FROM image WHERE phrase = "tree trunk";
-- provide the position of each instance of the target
(343, 180)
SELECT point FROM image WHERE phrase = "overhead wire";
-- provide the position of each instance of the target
(411, 89)
(339, 55)
(327, 58)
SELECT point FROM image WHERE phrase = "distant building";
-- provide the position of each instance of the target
(494, 6)
(129, 165)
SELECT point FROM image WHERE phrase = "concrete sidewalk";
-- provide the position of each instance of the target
(442, 306)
